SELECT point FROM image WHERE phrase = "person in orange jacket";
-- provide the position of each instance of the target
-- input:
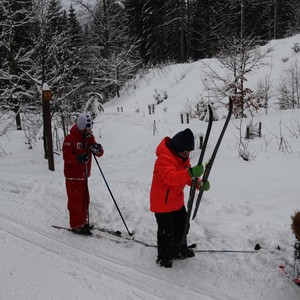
(172, 171)
(78, 148)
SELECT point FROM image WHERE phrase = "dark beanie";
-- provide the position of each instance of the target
(183, 141)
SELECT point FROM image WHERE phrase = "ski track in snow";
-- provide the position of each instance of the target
(131, 267)
(156, 283)
(100, 265)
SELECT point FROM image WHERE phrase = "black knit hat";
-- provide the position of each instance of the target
(183, 141)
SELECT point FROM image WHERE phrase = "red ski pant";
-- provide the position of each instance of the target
(78, 202)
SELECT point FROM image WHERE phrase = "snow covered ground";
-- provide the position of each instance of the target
(248, 203)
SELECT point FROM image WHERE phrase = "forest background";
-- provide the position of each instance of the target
(87, 54)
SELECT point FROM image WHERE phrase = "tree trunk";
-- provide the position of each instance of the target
(275, 18)
(18, 116)
(188, 31)
(182, 32)
(118, 92)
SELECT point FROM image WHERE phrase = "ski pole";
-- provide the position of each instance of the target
(86, 177)
(130, 233)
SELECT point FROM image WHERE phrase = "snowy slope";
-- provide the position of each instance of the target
(249, 203)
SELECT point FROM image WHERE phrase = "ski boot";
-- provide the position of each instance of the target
(82, 231)
(297, 262)
(164, 262)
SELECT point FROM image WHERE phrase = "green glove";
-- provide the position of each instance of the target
(196, 171)
(205, 185)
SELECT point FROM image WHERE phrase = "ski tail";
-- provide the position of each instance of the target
(297, 261)
(211, 161)
(194, 181)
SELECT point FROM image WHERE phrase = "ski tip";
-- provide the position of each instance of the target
(297, 281)
(257, 247)
(282, 268)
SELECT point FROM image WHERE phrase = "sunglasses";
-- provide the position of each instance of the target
(89, 123)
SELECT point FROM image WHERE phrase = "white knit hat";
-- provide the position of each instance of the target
(84, 121)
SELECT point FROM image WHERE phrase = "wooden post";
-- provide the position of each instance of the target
(248, 132)
(200, 141)
(154, 127)
(46, 97)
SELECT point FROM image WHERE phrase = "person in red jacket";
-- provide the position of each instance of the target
(78, 148)
(172, 171)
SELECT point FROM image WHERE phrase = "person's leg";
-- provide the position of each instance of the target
(179, 223)
(181, 250)
(85, 203)
(76, 206)
(165, 238)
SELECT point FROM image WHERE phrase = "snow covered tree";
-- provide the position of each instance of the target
(210, 26)
(262, 92)
(135, 15)
(154, 31)
(244, 59)
(199, 28)
(289, 88)
(176, 30)
(60, 55)
(94, 104)
(54, 42)
(239, 57)
(16, 28)
(113, 56)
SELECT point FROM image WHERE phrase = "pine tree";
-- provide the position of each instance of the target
(113, 55)
(134, 12)
(154, 31)
(53, 42)
(17, 23)
(175, 27)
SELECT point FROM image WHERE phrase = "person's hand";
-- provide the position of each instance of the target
(205, 185)
(96, 149)
(196, 171)
(83, 158)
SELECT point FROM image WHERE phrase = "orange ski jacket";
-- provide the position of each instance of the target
(170, 176)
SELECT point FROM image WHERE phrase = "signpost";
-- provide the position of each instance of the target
(46, 97)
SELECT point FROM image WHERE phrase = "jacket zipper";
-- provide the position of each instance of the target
(166, 201)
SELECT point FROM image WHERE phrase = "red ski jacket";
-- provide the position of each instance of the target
(74, 145)
(170, 176)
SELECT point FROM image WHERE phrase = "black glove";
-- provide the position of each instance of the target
(96, 149)
(83, 158)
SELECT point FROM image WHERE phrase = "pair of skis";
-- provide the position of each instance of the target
(121, 237)
(297, 262)
(207, 168)
(111, 233)
(292, 271)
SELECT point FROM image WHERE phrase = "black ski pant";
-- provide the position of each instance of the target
(170, 232)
